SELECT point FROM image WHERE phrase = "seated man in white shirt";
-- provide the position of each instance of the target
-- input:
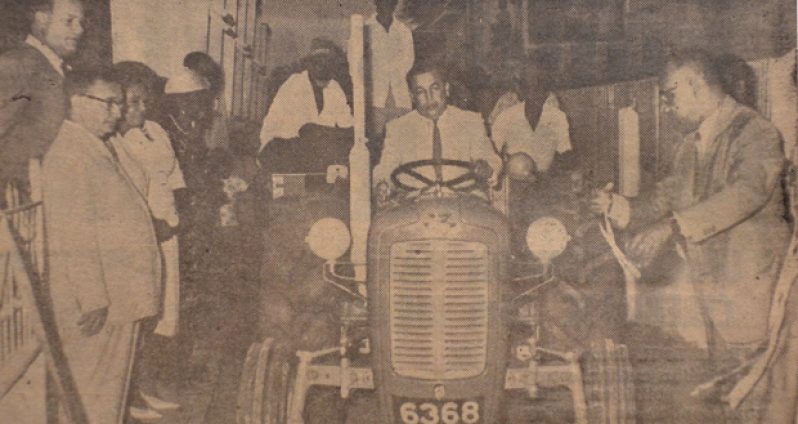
(535, 126)
(434, 130)
(311, 96)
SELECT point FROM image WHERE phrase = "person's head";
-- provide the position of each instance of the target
(58, 24)
(95, 100)
(139, 86)
(206, 67)
(691, 86)
(189, 101)
(385, 7)
(319, 69)
(738, 78)
(321, 61)
(429, 87)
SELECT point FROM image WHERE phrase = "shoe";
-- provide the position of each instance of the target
(144, 414)
(159, 404)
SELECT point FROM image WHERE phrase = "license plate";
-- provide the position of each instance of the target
(417, 411)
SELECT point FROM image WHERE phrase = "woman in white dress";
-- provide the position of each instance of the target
(145, 152)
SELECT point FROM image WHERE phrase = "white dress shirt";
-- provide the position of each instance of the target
(392, 56)
(409, 138)
(294, 106)
(551, 136)
(148, 158)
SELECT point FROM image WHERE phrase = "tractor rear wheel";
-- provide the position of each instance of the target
(609, 387)
(265, 385)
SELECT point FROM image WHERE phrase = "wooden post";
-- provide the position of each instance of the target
(359, 169)
(629, 151)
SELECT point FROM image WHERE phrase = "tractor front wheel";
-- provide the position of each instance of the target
(609, 387)
(265, 386)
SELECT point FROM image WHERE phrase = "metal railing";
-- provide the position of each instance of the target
(19, 244)
(26, 322)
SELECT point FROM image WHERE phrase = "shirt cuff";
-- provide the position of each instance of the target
(688, 231)
(620, 211)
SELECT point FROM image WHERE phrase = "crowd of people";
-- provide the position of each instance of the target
(131, 162)
(135, 176)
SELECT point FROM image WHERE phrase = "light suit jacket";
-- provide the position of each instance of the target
(101, 243)
(730, 207)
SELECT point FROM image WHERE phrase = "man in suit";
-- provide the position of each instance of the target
(105, 267)
(434, 130)
(32, 101)
(723, 205)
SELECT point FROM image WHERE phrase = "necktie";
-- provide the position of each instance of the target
(437, 151)
(112, 149)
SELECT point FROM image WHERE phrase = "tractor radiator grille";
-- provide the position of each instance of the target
(439, 308)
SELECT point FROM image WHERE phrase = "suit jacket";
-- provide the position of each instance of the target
(729, 203)
(409, 138)
(102, 246)
(32, 108)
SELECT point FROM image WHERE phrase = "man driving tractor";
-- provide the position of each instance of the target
(434, 130)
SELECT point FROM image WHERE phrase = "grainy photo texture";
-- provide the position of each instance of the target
(398, 212)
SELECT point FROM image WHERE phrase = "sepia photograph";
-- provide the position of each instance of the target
(398, 212)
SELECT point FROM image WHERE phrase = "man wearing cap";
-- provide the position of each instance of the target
(311, 96)
(32, 101)
(186, 114)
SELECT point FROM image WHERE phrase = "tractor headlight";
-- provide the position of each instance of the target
(329, 238)
(547, 238)
(520, 166)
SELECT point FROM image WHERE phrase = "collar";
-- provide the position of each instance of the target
(49, 54)
(139, 134)
(81, 135)
(715, 122)
(372, 21)
(440, 118)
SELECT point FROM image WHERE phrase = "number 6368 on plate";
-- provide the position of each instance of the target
(435, 412)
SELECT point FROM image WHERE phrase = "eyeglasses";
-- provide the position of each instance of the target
(109, 103)
(668, 95)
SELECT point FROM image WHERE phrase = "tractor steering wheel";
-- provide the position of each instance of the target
(464, 183)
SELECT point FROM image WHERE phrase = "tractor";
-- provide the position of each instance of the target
(444, 322)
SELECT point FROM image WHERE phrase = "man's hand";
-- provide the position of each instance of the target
(382, 192)
(93, 321)
(482, 169)
(163, 231)
(521, 167)
(647, 244)
(602, 200)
